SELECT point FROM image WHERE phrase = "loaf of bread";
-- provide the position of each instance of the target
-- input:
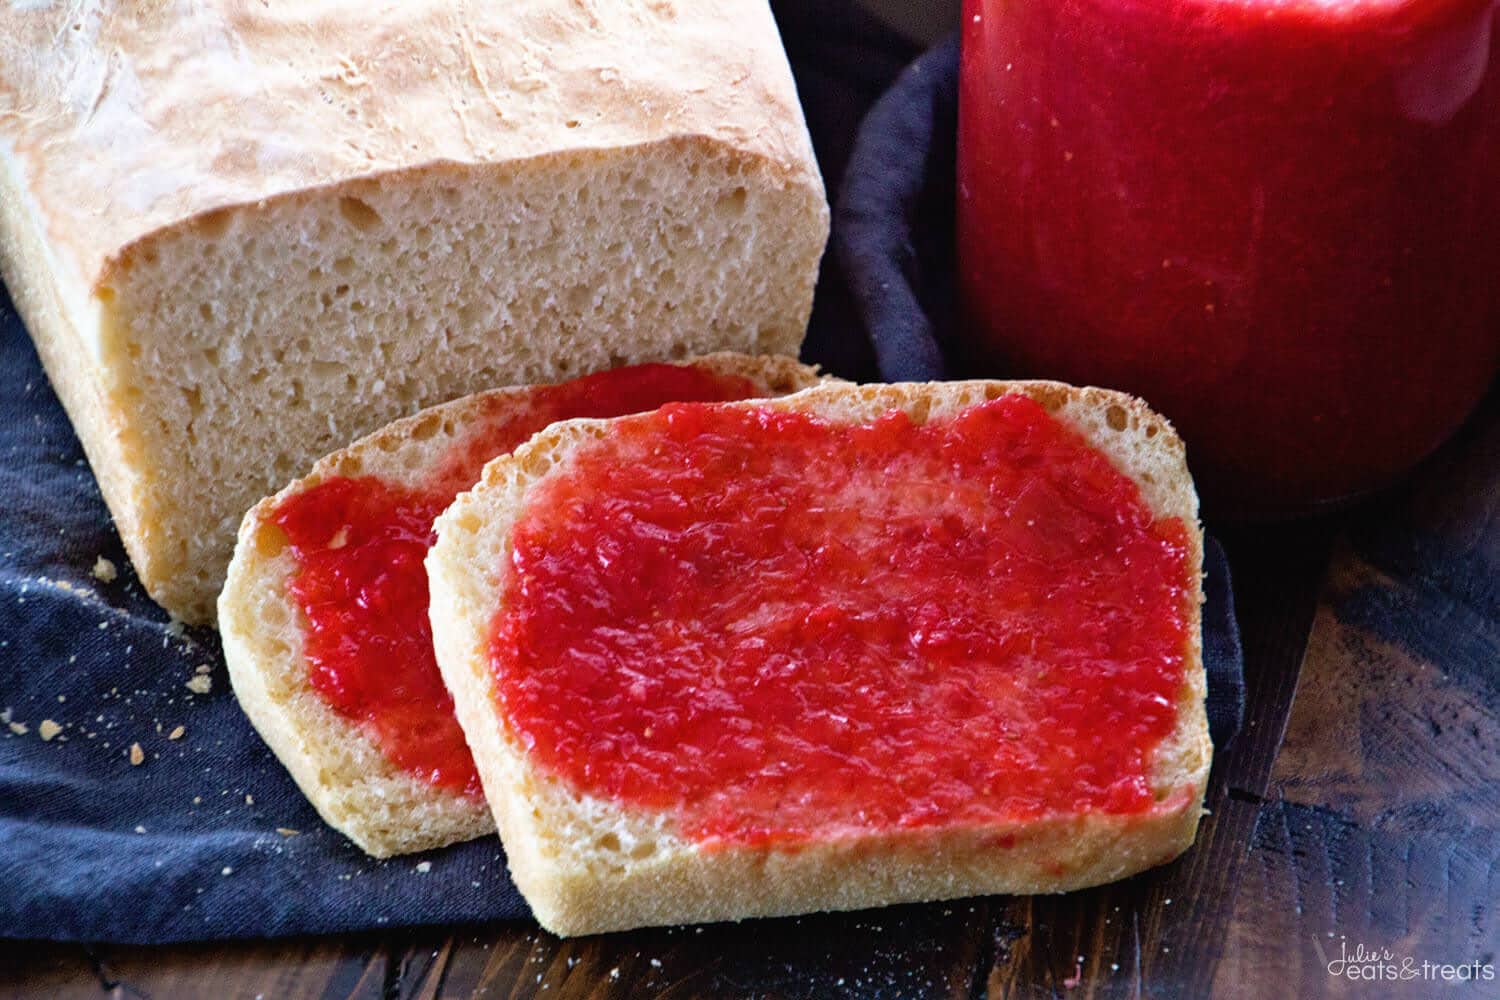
(351, 702)
(243, 234)
(831, 725)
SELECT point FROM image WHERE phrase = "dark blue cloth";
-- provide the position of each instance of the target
(893, 236)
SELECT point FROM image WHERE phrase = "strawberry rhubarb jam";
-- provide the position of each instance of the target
(359, 545)
(775, 627)
(1278, 221)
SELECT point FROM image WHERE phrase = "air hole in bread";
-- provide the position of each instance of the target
(214, 224)
(270, 541)
(358, 213)
(609, 842)
(1151, 430)
(426, 430)
(1116, 419)
(733, 203)
(643, 850)
(343, 266)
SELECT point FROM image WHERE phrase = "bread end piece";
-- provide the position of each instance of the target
(588, 866)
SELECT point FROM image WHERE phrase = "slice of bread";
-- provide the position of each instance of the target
(588, 863)
(336, 760)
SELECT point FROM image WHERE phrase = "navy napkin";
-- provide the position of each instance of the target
(893, 235)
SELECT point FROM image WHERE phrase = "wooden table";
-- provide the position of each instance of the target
(1360, 805)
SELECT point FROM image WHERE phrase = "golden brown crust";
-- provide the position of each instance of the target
(127, 119)
(338, 767)
(588, 866)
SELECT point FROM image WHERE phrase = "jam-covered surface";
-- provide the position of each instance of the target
(360, 583)
(775, 627)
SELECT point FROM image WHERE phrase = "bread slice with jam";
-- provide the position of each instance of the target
(324, 615)
(860, 645)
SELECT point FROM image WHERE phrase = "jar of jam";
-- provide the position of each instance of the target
(1278, 221)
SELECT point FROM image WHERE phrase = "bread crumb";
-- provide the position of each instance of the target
(287, 831)
(104, 570)
(48, 729)
(203, 668)
(197, 800)
(249, 800)
(137, 755)
(140, 829)
(424, 867)
(200, 684)
(19, 728)
(227, 870)
(176, 734)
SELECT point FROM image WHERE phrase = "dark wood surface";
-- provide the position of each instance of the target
(1359, 806)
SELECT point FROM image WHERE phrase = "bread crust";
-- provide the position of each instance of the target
(589, 866)
(355, 788)
(170, 114)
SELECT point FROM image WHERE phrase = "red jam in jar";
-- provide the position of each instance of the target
(1278, 221)
(775, 628)
(361, 585)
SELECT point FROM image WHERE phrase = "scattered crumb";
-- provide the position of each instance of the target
(249, 800)
(203, 668)
(48, 729)
(19, 728)
(287, 831)
(197, 800)
(227, 871)
(200, 684)
(137, 755)
(424, 867)
(140, 829)
(176, 734)
(104, 570)
(61, 698)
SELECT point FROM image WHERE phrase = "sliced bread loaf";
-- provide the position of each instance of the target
(856, 646)
(324, 616)
(244, 234)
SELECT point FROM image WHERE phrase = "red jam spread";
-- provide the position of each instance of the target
(360, 582)
(777, 628)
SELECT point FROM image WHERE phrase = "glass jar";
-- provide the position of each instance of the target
(1277, 222)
